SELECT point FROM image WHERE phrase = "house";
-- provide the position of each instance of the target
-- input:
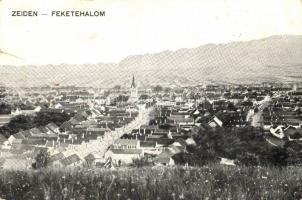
(58, 106)
(147, 129)
(180, 143)
(215, 122)
(255, 118)
(165, 158)
(16, 138)
(123, 156)
(26, 112)
(225, 161)
(278, 132)
(75, 121)
(51, 144)
(148, 145)
(94, 114)
(178, 146)
(64, 136)
(184, 121)
(186, 128)
(94, 159)
(166, 103)
(35, 131)
(53, 128)
(26, 133)
(62, 146)
(5, 119)
(99, 132)
(126, 144)
(44, 130)
(34, 142)
(88, 123)
(175, 149)
(161, 142)
(71, 161)
(80, 117)
(19, 135)
(55, 159)
(191, 141)
(67, 126)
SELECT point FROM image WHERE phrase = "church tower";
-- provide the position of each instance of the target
(133, 92)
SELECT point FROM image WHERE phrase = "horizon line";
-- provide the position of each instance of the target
(144, 54)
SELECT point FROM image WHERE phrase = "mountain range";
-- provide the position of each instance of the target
(272, 59)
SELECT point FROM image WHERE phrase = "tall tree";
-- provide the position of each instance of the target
(41, 160)
(157, 88)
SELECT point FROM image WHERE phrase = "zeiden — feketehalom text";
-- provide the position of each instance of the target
(56, 13)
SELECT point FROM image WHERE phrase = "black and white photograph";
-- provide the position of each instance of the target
(151, 100)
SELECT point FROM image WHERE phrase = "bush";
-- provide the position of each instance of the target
(246, 145)
(41, 160)
(5, 108)
(142, 162)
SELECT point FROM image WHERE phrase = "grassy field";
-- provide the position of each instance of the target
(209, 182)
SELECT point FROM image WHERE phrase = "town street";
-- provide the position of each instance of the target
(100, 147)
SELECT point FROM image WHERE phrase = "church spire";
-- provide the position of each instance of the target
(133, 92)
(133, 83)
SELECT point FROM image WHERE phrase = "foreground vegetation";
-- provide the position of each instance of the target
(208, 182)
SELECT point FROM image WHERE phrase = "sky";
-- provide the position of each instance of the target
(136, 27)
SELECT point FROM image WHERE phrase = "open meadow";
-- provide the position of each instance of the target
(209, 182)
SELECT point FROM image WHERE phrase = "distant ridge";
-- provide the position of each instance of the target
(275, 59)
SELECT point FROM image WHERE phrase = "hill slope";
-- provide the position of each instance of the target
(277, 58)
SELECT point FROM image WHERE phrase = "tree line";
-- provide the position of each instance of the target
(244, 145)
(25, 122)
